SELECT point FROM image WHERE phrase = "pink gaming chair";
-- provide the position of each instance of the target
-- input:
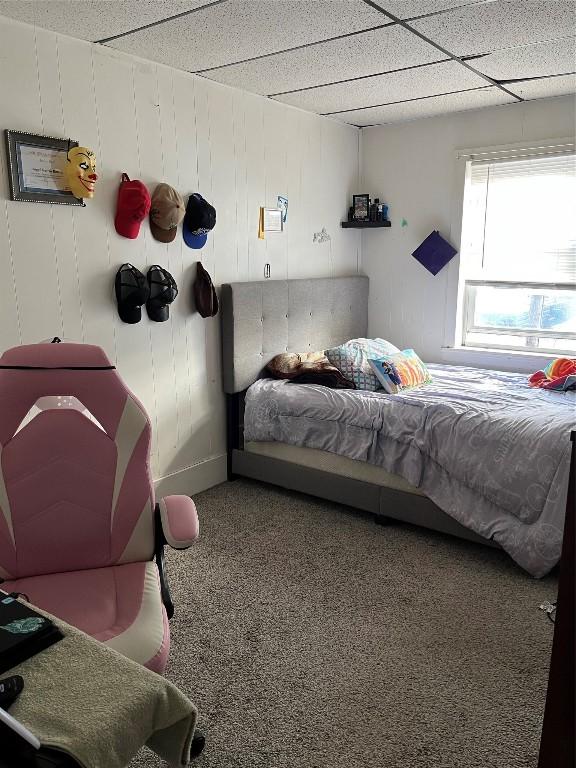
(79, 527)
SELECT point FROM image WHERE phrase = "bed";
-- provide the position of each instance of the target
(476, 454)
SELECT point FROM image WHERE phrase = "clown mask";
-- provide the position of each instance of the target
(80, 172)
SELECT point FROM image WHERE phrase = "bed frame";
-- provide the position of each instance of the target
(262, 319)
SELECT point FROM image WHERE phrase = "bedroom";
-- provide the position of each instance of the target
(305, 633)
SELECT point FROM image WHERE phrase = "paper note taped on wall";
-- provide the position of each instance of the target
(261, 224)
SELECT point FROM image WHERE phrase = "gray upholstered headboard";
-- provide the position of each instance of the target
(260, 320)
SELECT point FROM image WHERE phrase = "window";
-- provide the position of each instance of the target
(518, 251)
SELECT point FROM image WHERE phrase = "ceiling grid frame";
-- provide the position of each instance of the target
(524, 68)
(443, 50)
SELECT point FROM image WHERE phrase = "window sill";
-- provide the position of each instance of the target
(496, 359)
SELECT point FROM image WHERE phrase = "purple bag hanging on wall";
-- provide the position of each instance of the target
(434, 253)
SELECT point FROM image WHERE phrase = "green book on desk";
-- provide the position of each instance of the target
(23, 632)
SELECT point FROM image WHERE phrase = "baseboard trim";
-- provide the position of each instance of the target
(191, 480)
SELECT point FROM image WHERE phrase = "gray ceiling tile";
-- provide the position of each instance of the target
(551, 58)
(547, 86)
(407, 9)
(436, 105)
(384, 89)
(500, 24)
(242, 29)
(94, 19)
(369, 53)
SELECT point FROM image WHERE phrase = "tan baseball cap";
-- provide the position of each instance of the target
(166, 212)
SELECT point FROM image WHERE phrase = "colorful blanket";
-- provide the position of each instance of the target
(559, 375)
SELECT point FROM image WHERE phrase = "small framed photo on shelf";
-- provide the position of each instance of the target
(36, 168)
(360, 204)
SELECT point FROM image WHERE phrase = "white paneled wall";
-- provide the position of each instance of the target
(238, 150)
(412, 167)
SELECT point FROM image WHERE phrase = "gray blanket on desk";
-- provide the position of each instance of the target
(487, 449)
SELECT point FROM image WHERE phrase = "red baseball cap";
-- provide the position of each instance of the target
(132, 207)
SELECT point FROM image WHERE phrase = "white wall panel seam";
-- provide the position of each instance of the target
(45, 129)
(99, 155)
(187, 320)
(73, 216)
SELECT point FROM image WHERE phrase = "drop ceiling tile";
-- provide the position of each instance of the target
(547, 86)
(241, 29)
(551, 58)
(432, 107)
(93, 19)
(360, 55)
(407, 9)
(384, 89)
(502, 24)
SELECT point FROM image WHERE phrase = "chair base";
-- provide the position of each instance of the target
(198, 743)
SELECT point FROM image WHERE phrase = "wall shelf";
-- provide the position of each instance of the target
(365, 224)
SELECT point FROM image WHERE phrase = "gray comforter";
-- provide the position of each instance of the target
(486, 448)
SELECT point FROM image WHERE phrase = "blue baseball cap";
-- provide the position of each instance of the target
(199, 219)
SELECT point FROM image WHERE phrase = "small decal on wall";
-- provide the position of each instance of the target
(321, 237)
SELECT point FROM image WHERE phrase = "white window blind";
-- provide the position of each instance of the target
(526, 213)
(519, 252)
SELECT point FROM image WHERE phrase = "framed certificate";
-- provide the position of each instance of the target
(36, 168)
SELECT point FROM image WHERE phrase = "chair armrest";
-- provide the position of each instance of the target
(179, 521)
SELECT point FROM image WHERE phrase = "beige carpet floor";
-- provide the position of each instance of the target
(310, 637)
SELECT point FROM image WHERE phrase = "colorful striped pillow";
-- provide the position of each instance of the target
(403, 370)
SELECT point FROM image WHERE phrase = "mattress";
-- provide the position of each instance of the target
(332, 462)
(487, 449)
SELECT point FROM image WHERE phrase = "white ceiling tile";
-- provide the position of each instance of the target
(368, 53)
(93, 19)
(385, 89)
(501, 24)
(436, 105)
(241, 29)
(547, 86)
(407, 9)
(551, 58)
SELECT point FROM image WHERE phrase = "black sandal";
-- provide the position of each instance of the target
(132, 292)
(163, 291)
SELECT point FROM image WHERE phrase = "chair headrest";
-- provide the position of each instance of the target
(62, 355)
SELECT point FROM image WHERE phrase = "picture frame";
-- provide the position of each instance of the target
(272, 220)
(361, 206)
(35, 168)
